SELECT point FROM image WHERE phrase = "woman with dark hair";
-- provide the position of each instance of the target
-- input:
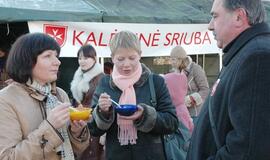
(83, 86)
(34, 113)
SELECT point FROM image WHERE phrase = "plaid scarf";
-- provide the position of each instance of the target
(51, 102)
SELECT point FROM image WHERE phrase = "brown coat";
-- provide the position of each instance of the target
(197, 82)
(23, 126)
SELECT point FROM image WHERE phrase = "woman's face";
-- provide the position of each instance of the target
(174, 61)
(46, 67)
(126, 61)
(85, 62)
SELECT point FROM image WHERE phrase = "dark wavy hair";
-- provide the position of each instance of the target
(24, 52)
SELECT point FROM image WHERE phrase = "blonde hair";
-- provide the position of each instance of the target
(181, 55)
(125, 39)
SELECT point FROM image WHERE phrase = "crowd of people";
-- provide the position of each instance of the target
(226, 122)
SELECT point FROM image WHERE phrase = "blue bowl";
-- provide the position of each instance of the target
(126, 109)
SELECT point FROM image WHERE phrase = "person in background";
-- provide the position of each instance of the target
(137, 136)
(3, 74)
(34, 113)
(198, 87)
(108, 67)
(234, 123)
(178, 86)
(83, 86)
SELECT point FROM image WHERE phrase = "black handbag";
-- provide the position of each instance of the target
(176, 144)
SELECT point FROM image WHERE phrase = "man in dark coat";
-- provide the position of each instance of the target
(239, 103)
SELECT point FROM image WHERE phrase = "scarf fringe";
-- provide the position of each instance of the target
(127, 133)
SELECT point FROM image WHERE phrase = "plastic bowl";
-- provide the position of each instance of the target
(126, 109)
(80, 114)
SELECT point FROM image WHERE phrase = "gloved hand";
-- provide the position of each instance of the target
(193, 99)
(188, 101)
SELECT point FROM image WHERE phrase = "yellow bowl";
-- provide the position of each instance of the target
(80, 113)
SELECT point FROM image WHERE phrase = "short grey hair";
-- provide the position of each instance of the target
(254, 9)
(125, 39)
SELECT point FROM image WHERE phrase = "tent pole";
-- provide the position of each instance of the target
(102, 62)
(203, 61)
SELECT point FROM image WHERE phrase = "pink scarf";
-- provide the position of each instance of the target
(127, 133)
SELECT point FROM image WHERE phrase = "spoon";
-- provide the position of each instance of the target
(118, 105)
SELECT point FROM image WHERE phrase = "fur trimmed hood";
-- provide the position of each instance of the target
(80, 82)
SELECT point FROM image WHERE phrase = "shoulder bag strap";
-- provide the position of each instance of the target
(154, 103)
(152, 90)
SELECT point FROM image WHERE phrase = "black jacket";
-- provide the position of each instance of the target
(240, 103)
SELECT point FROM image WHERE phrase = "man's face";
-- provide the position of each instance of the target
(222, 24)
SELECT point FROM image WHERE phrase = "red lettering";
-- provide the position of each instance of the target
(141, 37)
(100, 40)
(190, 39)
(206, 38)
(175, 37)
(112, 34)
(167, 39)
(91, 38)
(76, 38)
(197, 38)
(155, 39)
(180, 39)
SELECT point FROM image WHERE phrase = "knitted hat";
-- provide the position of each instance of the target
(179, 52)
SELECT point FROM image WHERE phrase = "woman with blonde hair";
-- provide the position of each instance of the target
(198, 87)
(137, 136)
(177, 84)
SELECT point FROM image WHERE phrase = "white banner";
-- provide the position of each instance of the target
(156, 39)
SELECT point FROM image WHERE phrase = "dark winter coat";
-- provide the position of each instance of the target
(156, 121)
(240, 103)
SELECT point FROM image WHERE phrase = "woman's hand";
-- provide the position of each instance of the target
(77, 127)
(59, 116)
(137, 115)
(104, 102)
